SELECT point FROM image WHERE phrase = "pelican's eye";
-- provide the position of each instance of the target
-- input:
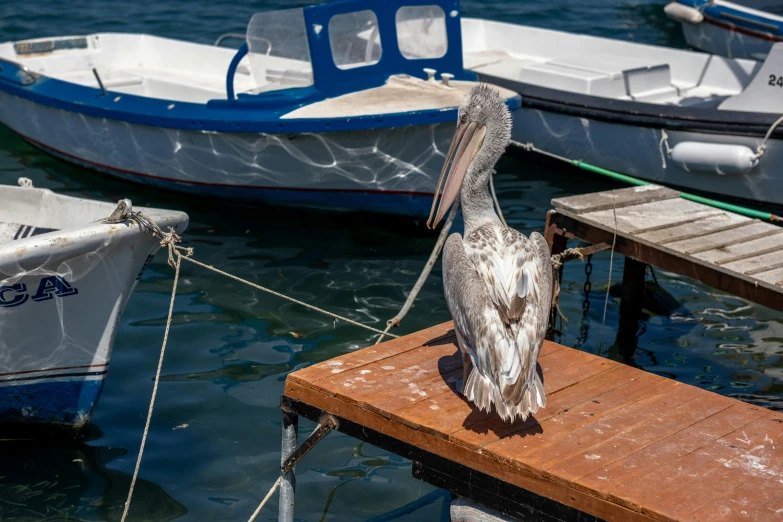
(463, 117)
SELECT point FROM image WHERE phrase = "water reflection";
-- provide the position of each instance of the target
(73, 482)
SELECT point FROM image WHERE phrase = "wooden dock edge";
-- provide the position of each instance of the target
(366, 425)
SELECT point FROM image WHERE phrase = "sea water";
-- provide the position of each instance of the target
(213, 447)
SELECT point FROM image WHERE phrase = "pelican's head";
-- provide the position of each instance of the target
(483, 131)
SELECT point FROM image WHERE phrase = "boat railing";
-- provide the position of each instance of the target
(30, 77)
(241, 36)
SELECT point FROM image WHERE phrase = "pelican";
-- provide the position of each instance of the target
(498, 283)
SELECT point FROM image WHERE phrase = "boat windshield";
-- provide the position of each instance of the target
(278, 51)
(421, 31)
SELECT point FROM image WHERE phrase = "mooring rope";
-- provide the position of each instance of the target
(176, 254)
(169, 239)
(266, 498)
(444, 234)
(611, 261)
(763, 147)
(495, 198)
(283, 296)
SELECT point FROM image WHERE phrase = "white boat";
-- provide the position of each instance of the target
(738, 29)
(328, 105)
(685, 119)
(67, 267)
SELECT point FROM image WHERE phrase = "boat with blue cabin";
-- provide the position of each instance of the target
(67, 268)
(737, 29)
(344, 105)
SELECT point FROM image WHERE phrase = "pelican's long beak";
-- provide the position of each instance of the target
(464, 147)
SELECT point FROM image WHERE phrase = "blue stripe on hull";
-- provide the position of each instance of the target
(64, 402)
(375, 202)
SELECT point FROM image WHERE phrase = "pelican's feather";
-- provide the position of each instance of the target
(498, 288)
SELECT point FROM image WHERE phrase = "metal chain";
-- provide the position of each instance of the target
(583, 328)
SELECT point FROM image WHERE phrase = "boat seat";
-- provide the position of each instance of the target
(607, 76)
(12, 231)
(283, 79)
(111, 78)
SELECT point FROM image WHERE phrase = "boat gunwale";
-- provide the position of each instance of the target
(640, 114)
(234, 118)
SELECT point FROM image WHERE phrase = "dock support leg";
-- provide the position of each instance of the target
(630, 309)
(288, 484)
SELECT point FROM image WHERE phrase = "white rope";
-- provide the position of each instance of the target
(157, 380)
(444, 233)
(763, 147)
(278, 294)
(495, 198)
(175, 256)
(266, 498)
(664, 141)
(611, 261)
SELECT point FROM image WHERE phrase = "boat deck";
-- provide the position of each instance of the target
(614, 442)
(727, 251)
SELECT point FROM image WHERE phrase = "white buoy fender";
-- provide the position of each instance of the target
(714, 158)
(683, 13)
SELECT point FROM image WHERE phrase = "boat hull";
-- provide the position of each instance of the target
(61, 297)
(726, 40)
(640, 152)
(389, 170)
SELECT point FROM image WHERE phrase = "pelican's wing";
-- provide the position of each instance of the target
(496, 301)
(502, 258)
(517, 273)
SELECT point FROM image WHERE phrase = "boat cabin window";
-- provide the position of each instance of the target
(355, 39)
(421, 31)
(278, 51)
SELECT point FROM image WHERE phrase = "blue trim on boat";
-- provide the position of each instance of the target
(734, 14)
(253, 113)
(68, 402)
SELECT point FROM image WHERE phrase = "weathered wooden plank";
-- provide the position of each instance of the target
(625, 461)
(454, 413)
(614, 199)
(753, 229)
(494, 428)
(717, 276)
(369, 355)
(757, 264)
(721, 222)
(740, 457)
(540, 445)
(744, 250)
(634, 422)
(652, 216)
(774, 277)
(681, 419)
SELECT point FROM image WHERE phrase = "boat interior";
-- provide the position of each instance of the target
(278, 58)
(604, 67)
(28, 212)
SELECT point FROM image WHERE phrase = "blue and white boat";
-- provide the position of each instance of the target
(347, 105)
(737, 29)
(66, 272)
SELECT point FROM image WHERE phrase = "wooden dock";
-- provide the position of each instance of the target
(613, 442)
(727, 251)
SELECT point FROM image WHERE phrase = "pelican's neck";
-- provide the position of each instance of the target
(477, 206)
